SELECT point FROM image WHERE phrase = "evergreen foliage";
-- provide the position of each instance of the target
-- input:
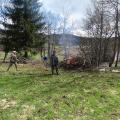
(23, 25)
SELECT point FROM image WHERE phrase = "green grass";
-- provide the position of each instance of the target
(33, 94)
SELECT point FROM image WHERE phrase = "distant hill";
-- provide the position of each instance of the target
(61, 39)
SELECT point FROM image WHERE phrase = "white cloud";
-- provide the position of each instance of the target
(74, 6)
(79, 32)
(75, 10)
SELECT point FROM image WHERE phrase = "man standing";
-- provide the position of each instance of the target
(13, 60)
(54, 63)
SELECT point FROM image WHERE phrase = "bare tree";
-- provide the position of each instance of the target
(52, 25)
(98, 27)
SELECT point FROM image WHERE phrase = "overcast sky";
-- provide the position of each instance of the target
(77, 9)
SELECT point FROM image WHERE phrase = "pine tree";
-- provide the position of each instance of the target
(33, 25)
(25, 27)
(12, 26)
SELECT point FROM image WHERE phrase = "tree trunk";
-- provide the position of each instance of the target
(118, 52)
(100, 52)
(106, 44)
(26, 54)
(6, 53)
(44, 53)
(41, 52)
(116, 36)
(101, 38)
(49, 49)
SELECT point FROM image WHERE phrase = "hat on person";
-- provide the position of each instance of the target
(14, 51)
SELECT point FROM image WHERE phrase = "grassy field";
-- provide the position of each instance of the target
(33, 94)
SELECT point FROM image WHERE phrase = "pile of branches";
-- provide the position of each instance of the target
(82, 61)
(22, 60)
(76, 63)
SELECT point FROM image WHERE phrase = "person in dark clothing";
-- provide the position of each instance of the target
(54, 63)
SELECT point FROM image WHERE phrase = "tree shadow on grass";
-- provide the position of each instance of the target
(21, 80)
(21, 75)
(59, 86)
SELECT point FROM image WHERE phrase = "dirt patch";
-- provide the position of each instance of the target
(4, 104)
(113, 92)
(27, 112)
